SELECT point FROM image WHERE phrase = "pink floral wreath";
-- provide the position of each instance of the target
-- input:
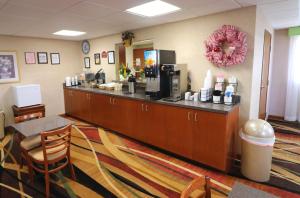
(236, 42)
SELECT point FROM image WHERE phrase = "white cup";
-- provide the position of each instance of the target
(196, 97)
(187, 95)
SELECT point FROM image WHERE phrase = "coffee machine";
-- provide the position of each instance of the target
(154, 59)
(173, 81)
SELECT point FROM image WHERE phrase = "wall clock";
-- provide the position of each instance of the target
(85, 47)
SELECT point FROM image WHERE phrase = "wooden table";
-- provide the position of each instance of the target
(35, 127)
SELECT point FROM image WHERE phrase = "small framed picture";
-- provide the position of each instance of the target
(9, 71)
(111, 57)
(97, 59)
(29, 58)
(87, 63)
(55, 58)
(42, 57)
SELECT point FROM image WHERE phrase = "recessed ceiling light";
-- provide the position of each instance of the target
(153, 8)
(69, 33)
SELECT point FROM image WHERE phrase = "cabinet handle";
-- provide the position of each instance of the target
(110, 100)
(114, 101)
(142, 107)
(146, 107)
(189, 115)
(196, 115)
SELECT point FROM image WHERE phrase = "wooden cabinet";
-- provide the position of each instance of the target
(114, 113)
(150, 127)
(206, 137)
(209, 138)
(179, 130)
(68, 101)
(78, 104)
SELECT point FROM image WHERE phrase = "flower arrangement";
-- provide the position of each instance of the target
(124, 72)
(127, 38)
(229, 37)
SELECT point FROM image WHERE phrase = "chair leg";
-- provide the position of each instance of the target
(71, 169)
(207, 187)
(47, 184)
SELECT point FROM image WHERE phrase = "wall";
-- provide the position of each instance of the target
(187, 38)
(279, 73)
(50, 77)
(260, 26)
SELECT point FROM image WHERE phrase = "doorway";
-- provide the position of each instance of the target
(265, 75)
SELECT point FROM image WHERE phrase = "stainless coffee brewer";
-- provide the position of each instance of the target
(173, 81)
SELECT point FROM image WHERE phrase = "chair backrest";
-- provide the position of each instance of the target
(56, 144)
(27, 117)
(198, 183)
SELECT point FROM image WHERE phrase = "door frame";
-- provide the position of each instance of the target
(266, 34)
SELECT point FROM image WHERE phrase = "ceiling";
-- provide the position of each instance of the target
(40, 18)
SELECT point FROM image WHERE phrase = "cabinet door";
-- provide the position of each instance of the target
(210, 139)
(80, 104)
(108, 112)
(68, 101)
(179, 127)
(85, 103)
(98, 109)
(124, 116)
(151, 124)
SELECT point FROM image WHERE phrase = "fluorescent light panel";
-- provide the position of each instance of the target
(69, 33)
(153, 8)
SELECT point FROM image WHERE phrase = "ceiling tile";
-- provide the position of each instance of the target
(256, 2)
(50, 5)
(14, 24)
(120, 5)
(24, 11)
(91, 10)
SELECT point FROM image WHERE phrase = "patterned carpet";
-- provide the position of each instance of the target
(109, 165)
(285, 126)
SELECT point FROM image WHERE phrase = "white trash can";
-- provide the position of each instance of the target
(258, 139)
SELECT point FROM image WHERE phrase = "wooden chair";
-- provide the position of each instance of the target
(54, 152)
(198, 183)
(28, 143)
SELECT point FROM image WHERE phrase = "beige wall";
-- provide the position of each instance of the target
(50, 77)
(279, 73)
(187, 38)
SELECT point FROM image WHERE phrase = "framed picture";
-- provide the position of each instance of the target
(30, 58)
(87, 63)
(42, 57)
(104, 54)
(9, 71)
(55, 58)
(97, 59)
(111, 57)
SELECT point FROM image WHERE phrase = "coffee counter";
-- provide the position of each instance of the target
(202, 132)
(218, 108)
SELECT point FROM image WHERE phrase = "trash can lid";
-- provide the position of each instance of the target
(258, 128)
(258, 132)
